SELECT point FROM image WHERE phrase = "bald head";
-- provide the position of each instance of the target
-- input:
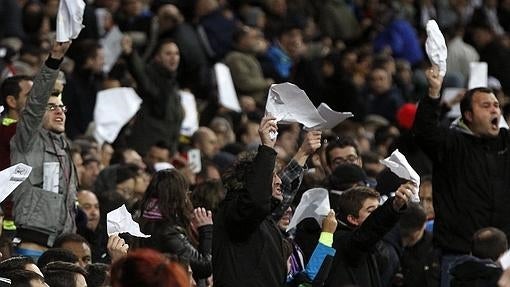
(205, 140)
(90, 205)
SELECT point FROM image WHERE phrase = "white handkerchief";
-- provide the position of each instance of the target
(11, 177)
(226, 91)
(478, 75)
(333, 118)
(398, 164)
(69, 19)
(436, 46)
(158, 166)
(448, 95)
(112, 48)
(120, 221)
(290, 104)
(314, 203)
(190, 122)
(505, 260)
(51, 176)
(114, 108)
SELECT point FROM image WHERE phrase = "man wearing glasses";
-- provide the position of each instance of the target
(44, 203)
(342, 151)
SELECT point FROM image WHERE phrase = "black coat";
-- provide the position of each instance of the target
(420, 264)
(473, 272)
(170, 238)
(161, 113)
(80, 98)
(471, 186)
(247, 244)
(355, 262)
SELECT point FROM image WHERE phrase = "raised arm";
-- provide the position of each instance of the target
(199, 258)
(292, 175)
(361, 242)
(252, 204)
(430, 136)
(137, 69)
(32, 115)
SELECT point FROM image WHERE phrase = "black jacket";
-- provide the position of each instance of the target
(420, 264)
(247, 244)
(355, 262)
(470, 271)
(172, 239)
(80, 98)
(471, 186)
(161, 113)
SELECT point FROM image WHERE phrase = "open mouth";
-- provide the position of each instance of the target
(59, 120)
(495, 122)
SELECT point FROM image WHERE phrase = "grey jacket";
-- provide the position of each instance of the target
(43, 214)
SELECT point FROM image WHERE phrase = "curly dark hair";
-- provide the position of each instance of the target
(234, 178)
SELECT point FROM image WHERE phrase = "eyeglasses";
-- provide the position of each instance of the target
(348, 159)
(53, 108)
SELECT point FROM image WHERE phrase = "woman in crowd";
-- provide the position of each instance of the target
(168, 216)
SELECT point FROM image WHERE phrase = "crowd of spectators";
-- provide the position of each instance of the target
(224, 221)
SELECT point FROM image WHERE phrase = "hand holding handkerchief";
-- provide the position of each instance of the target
(314, 203)
(69, 19)
(436, 47)
(120, 221)
(12, 177)
(398, 164)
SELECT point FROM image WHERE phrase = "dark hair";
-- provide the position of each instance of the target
(466, 104)
(125, 172)
(15, 263)
(243, 128)
(146, 267)
(56, 254)
(351, 201)
(69, 237)
(118, 156)
(234, 178)
(383, 134)
(10, 87)
(162, 43)
(97, 274)
(161, 145)
(346, 176)
(489, 242)
(62, 274)
(22, 278)
(380, 61)
(412, 220)
(340, 143)
(89, 158)
(170, 187)
(208, 194)
(84, 50)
